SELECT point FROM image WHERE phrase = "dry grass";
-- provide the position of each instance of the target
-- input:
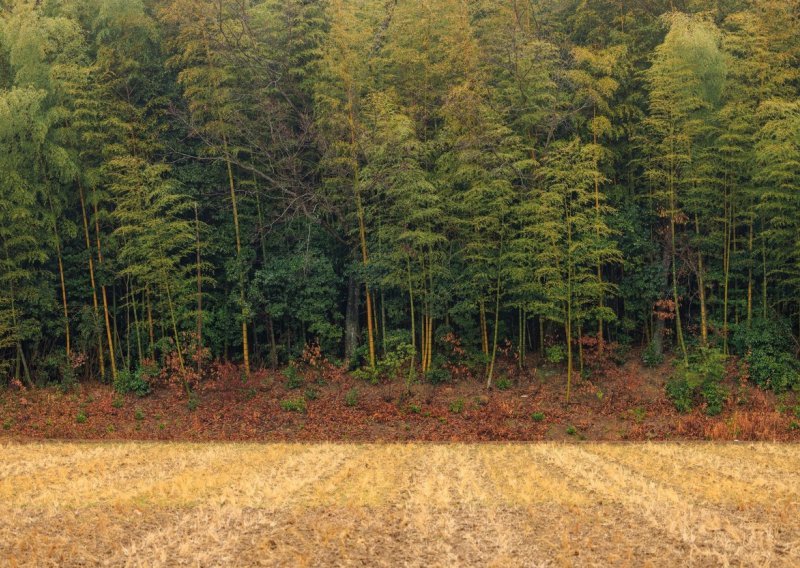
(153, 504)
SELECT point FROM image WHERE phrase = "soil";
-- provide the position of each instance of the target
(625, 402)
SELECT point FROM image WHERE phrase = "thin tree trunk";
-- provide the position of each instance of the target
(600, 340)
(676, 299)
(109, 338)
(701, 288)
(411, 303)
(199, 353)
(750, 276)
(150, 329)
(273, 348)
(351, 327)
(95, 303)
(490, 374)
(140, 350)
(484, 331)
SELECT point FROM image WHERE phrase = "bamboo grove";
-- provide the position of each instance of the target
(236, 179)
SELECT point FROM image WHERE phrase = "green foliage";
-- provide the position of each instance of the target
(193, 402)
(311, 394)
(182, 171)
(652, 356)
(714, 396)
(457, 406)
(368, 374)
(571, 430)
(138, 414)
(701, 379)
(351, 397)
(137, 382)
(503, 383)
(294, 405)
(437, 376)
(294, 380)
(118, 401)
(766, 346)
(81, 417)
(555, 354)
(537, 416)
(681, 394)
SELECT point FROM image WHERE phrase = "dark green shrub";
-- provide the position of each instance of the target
(681, 394)
(294, 379)
(701, 379)
(351, 398)
(766, 346)
(555, 354)
(714, 395)
(399, 353)
(778, 372)
(136, 381)
(311, 394)
(193, 402)
(503, 383)
(537, 416)
(437, 376)
(294, 405)
(651, 356)
(457, 406)
(571, 430)
(368, 374)
(81, 417)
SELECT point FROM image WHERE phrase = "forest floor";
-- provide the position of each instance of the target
(512, 504)
(623, 403)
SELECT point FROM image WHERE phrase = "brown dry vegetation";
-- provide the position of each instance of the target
(167, 504)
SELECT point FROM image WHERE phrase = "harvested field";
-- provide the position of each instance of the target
(168, 504)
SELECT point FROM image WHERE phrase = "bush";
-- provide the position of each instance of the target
(457, 406)
(437, 376)
(555, 354)
(351, 398)
(681, 394)
(193, 402)
(651, 356)
(294, 405)
(311, 394)
(774, 371)
(766, 346)
(714, 395)
(81, 417)
(137, 382)
(503, 383)
(293, 378)
(367, 374)
(701, 379)
(399, 352)
(537, 416)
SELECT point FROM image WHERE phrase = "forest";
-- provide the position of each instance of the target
(409, 190)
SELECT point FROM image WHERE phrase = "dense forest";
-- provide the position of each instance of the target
(386, 182)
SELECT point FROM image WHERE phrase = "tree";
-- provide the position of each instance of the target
(684, 81)
(567, 240)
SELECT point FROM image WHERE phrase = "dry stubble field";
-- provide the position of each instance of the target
(170, 504)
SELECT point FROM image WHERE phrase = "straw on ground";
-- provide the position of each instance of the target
(156, 504)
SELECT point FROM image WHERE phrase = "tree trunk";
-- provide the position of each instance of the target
(351, 325)
(95, 303)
